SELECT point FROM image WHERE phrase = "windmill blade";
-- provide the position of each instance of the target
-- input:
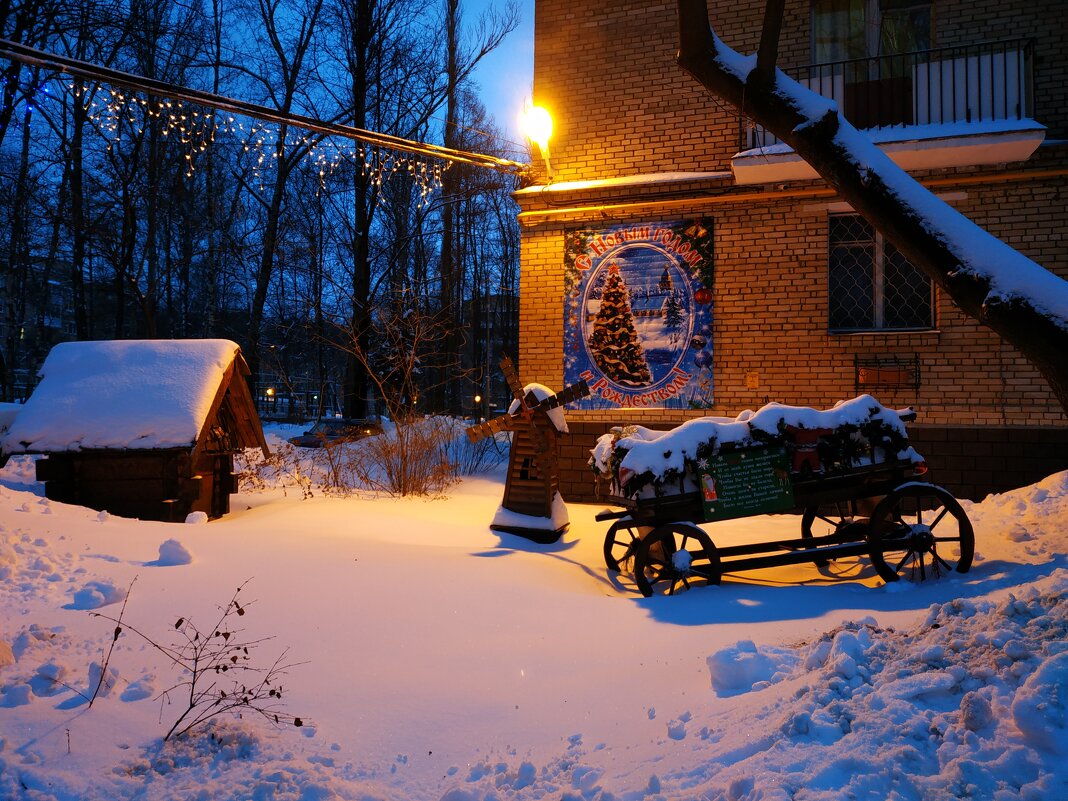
(489, 428)
(512, 377)
(571, 393)
(574, 392)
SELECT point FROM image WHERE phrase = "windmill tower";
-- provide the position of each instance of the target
(531, 489)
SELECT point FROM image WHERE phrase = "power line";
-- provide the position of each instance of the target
(63, 64)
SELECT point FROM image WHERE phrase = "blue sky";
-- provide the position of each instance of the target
(505, 76)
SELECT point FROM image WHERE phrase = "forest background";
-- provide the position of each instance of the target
(346, 272)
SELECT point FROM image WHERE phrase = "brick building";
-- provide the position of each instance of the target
(793, 298)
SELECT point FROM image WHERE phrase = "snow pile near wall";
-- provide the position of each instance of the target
(1032, 521)
(121, 394)
(970, 703)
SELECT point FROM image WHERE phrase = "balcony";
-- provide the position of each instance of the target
(947, 107)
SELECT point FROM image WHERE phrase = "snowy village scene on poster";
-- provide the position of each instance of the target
(638, 314)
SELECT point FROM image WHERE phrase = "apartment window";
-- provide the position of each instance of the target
(845, 29)
(871, 286)
(859, 56)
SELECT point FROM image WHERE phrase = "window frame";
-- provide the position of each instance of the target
(872, 20)
(878, 245)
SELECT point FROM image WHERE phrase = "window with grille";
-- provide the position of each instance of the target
(871, 285)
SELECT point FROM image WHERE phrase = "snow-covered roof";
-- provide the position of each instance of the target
(140, 394)
(541, 392)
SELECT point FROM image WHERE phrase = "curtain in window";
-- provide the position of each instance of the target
(838, 30)
(904, 27)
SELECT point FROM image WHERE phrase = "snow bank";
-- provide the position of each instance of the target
(972, 702)
(173, 553)
(1029, 521)
(436, 662)
(95, 594)
(121, 394)
(558, 517)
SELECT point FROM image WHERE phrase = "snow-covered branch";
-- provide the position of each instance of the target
(998, 286)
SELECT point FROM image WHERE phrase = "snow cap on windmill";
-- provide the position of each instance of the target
(532, 505)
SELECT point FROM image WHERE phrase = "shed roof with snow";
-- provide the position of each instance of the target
(142, 429)
(135, 395)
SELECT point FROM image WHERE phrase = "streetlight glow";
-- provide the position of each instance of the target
(538, 126)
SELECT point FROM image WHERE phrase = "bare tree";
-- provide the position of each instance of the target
(970, 267)
(460, 60)
(282, 83)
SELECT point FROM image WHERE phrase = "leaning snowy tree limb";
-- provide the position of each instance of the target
(1021, 301)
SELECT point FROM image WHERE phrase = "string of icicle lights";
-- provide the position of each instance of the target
(119, 113)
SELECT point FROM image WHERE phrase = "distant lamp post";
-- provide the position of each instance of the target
(270, 394)
(538, 126)
(478, 408)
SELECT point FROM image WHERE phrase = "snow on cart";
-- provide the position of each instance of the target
(851, 467)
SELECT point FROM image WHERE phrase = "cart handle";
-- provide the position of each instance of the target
(611, 514)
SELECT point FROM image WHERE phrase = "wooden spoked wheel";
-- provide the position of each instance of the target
(843, 520)
(919, 531)
(621, 544)
(674, 557)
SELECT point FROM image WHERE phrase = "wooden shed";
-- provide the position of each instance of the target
(140, 428)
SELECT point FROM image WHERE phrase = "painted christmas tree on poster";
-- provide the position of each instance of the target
(638, 314)
(614, 344)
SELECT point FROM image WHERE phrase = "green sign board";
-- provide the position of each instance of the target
(747, 482)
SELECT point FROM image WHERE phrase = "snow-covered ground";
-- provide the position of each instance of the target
(438, 660)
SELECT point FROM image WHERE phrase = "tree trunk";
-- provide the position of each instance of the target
(266, 266)
(447, 380)
(77, 211)
(19, 253)
(875, 193)
(356, 383)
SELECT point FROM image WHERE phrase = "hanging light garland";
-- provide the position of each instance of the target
(196, 130)
(134, 102)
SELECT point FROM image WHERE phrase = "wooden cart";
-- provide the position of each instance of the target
(907, 527)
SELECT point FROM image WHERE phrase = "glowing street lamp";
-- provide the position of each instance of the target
(538, 126)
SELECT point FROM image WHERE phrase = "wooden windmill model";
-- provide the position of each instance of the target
(533, 473)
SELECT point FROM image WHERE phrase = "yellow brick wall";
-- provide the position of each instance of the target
(622, 108)
(770, 303)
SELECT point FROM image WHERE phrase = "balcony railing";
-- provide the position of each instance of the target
(989, 81)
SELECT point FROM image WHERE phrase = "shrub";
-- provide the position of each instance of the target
(218, 672)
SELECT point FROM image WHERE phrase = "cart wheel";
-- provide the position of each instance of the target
(675, 556)
(807, 519)
(843, 519)
(919, 531)
(621, 543)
